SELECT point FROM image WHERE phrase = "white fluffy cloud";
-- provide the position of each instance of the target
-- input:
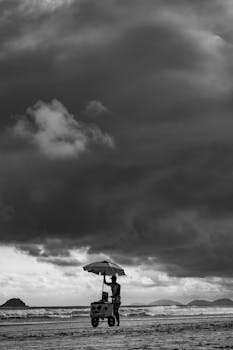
(56, 132)
(70, 285)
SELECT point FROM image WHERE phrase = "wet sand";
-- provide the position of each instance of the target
(140, 333)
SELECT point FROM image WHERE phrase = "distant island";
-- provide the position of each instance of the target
(14, 303)
(218, 302)
(194, 303)
(200, 303)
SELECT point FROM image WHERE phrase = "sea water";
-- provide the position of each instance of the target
(71, 313)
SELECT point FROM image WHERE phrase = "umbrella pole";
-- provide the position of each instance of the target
(102, 286)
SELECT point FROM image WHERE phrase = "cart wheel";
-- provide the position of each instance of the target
(95, 321)
(111, 321)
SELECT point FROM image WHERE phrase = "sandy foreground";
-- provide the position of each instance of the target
(141, 333)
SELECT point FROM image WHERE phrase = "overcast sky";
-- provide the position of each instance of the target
(116, 142)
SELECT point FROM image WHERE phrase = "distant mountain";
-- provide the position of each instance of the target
(165, 302)
(14, 303)
(218, 302)
(199, 303)
(222, 302)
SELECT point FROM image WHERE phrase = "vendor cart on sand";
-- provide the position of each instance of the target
(103, 309)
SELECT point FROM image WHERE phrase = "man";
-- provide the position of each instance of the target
(116, 296)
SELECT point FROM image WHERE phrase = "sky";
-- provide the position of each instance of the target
(116, 143)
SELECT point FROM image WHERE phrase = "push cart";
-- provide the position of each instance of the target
(103, 309)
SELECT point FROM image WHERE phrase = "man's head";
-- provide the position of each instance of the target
(114, 279)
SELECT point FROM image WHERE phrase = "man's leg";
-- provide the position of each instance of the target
(116, 313)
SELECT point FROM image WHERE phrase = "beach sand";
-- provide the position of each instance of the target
(140, 333)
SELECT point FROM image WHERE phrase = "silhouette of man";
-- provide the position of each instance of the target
(116, 296)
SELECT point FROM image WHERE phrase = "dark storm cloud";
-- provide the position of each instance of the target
(159, 80)
(67, 262)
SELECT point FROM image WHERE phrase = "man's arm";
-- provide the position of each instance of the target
(105, 282)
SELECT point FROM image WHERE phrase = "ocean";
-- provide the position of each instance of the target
(72, 313)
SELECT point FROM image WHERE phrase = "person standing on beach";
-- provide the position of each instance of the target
(116, 296)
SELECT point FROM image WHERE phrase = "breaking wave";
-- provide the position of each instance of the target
(43, 313)
(174, 311)
(130, 312)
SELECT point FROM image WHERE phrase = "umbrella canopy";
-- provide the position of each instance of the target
(104, 267)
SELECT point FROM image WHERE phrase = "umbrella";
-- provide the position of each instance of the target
(104, 267)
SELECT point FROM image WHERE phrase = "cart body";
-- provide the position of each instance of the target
(102, 309)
